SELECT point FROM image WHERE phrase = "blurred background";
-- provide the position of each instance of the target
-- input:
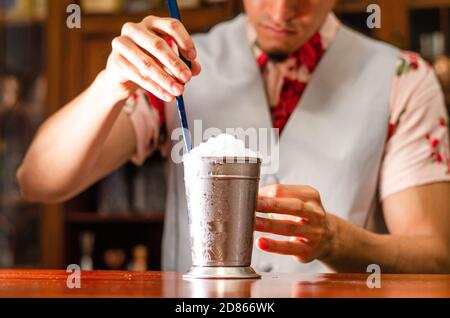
(117, 223)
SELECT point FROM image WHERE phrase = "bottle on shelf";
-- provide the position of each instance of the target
(6, 250)
(114, 258)
(87, 240)
(139, 262)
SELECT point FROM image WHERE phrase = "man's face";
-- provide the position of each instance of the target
(282, 26)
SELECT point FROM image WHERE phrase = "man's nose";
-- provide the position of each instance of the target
(283, 10)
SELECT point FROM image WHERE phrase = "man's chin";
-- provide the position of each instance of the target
(278, 51)
(279, 48)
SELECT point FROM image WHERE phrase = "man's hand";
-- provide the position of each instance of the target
(306, 223)
(141, 57)
(417, 218)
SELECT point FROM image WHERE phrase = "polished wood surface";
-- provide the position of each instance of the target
(49, 283)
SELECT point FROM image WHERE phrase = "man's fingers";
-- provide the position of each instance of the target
(146, 65)
(289, 206)
(286, 228)
(306, 193)
(129, 71)
(296, 247)
(176, 30)
(159, 49)
(196, 68)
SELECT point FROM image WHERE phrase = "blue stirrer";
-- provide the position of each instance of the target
(175, 13)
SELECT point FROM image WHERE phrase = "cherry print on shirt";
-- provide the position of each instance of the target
(439, 153)
(393, 126)
(408, 62)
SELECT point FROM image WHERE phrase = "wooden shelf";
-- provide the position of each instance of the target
(14, 201)
(20, 21)
(355, 6)
(198, 19)
(428, 4)
(109, 218)
(27, 266)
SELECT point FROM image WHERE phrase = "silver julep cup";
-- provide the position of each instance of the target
(221, 196)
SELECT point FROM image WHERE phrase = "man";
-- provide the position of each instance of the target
(363, 145)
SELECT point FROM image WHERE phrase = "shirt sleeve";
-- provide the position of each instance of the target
(417, 149)
(146, 123)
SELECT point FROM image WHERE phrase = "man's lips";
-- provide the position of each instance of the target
(279, 31)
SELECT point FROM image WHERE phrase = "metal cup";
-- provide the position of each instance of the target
(221, 197)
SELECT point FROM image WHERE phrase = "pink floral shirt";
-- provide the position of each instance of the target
(417, 149)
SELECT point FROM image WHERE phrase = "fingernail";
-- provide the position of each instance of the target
(185, 75)
(262, 203)
(167, 97)
(265, 191)
(263, 244)
(192, 54)
(177, 89)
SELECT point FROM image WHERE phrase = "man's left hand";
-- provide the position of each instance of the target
(307, 227)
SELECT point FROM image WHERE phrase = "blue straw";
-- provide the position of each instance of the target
(175, 13)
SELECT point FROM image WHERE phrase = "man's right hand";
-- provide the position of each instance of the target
(141, 57)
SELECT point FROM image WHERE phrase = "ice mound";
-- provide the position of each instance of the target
(224, 145)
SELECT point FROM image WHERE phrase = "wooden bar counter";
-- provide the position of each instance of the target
(105, 284)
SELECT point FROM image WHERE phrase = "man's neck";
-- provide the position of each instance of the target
(278, 57)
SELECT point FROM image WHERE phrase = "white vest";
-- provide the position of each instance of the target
(334, 141)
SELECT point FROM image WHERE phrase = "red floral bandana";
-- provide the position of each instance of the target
(292, 90)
